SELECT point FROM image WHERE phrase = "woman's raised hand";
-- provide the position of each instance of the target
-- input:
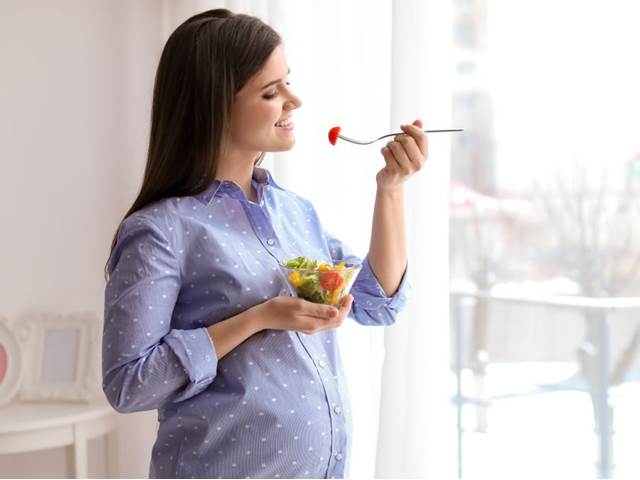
(292, 313)
(405, 155)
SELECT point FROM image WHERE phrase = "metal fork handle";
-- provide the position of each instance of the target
(394, 134)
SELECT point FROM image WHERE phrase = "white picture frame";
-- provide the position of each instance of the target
(60, 354)
(11, 363)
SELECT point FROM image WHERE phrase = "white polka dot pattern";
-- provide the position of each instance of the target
(276, 406)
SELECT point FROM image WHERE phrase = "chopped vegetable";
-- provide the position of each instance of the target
(294, 278)
(331, 280)
(319, 281)
(335, 297)
(333, 135)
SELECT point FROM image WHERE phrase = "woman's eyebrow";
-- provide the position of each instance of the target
(274, 81)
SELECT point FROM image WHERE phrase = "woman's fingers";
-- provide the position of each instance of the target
(322, 311)
(326, 317)
(391, 163)
(346, 303)
(411, 148)
(317, 310)
(401, 157)
(419, 135)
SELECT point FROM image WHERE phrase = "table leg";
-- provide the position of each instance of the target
(111, 454)
(77, 460)
(71, 470)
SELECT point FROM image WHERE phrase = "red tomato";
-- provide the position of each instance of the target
(333, 135)
(331, 280)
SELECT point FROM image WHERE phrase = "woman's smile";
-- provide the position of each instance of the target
(287, 125)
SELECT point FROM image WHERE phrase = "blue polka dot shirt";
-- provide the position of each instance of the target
(276, 406)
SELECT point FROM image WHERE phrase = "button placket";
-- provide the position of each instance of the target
(336, 438)
(339, 421)
(262, 228)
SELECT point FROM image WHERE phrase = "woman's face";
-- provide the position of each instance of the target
(264, 101)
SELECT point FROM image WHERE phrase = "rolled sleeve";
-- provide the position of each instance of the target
(197, 355)
(371, 305)
(145, 362)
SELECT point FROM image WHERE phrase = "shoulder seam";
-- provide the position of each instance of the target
(149, 221)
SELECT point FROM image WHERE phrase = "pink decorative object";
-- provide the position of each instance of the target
(10, 364)
(3, 362)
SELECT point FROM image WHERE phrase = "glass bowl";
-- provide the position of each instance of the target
(325, 284)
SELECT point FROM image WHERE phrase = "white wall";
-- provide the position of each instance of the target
(74, 116)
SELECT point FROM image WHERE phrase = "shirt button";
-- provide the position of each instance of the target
(338, 456)
(321, 363)
(271, 241)
(337, 409)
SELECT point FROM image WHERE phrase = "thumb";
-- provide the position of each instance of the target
(417, 123)
(346, 301)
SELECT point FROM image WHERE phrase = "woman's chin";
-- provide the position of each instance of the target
(284, 146)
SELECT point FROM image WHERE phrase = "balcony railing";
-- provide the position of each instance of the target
(596, 310)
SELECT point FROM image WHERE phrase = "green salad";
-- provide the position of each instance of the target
(319, 281)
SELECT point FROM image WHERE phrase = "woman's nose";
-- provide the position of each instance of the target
(294, 103)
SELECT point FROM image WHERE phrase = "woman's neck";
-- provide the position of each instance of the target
(241, 177)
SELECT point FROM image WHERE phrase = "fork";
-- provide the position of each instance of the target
(334, 134)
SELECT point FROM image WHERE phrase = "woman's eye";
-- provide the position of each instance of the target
(273, 94)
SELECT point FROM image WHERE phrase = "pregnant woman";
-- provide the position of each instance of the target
(199, 320)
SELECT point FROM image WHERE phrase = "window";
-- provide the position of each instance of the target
(545, 238)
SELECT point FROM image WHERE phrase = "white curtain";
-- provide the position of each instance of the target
(416, 432)
(368, 66)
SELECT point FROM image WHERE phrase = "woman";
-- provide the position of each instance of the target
(199, 321)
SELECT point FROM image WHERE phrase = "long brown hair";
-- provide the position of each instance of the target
(204, 63)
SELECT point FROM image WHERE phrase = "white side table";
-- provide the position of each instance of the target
(25, 427)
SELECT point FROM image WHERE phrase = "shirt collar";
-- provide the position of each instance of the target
(261, 176)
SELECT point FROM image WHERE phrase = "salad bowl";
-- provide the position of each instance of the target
(319, 281)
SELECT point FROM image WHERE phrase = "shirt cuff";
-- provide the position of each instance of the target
(368, 292)
(196, 352)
